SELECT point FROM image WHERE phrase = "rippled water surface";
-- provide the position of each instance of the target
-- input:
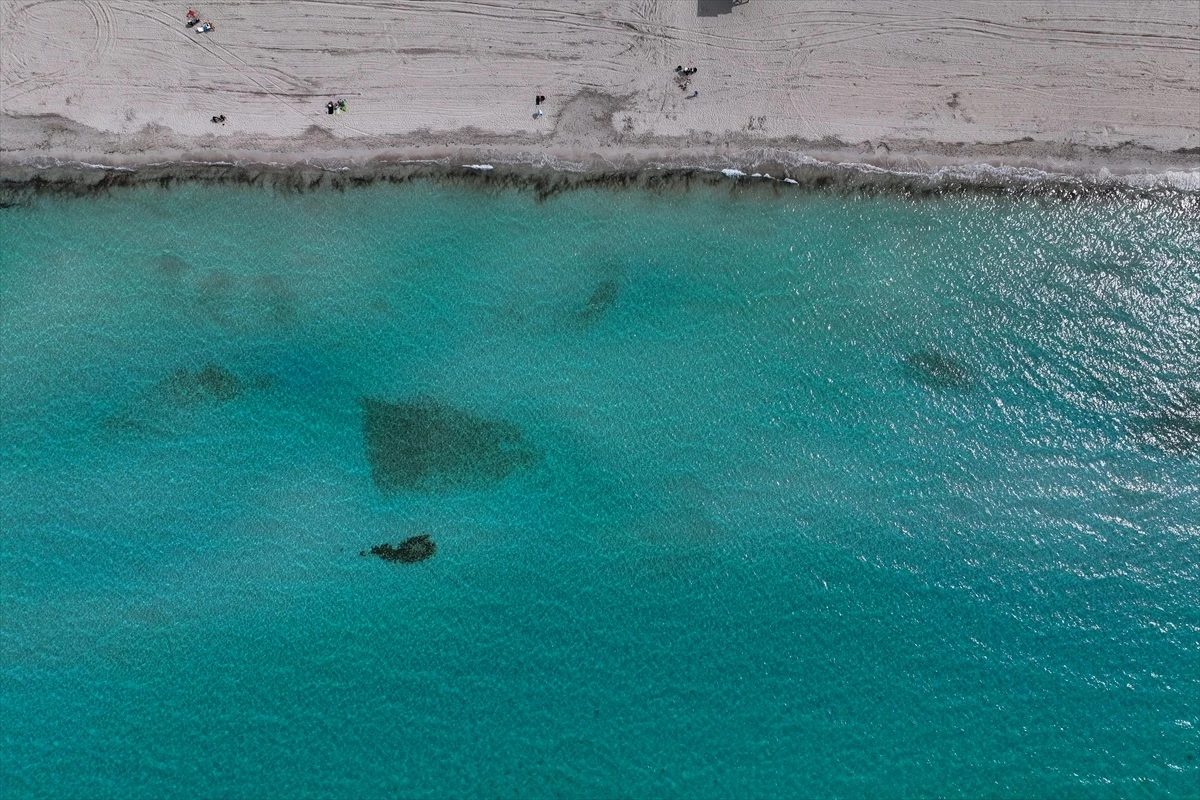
(734, 494)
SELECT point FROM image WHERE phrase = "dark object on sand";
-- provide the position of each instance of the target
(715, 8)
(428, 446)
(220, 118)
(541, 98)
(329, 107)
(410, 551)
(937, 370)
(193, 21)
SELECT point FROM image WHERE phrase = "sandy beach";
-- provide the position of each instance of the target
(1064, 86)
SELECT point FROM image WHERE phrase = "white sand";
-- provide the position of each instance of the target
(1112, 83)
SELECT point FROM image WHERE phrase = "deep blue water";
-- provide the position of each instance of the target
(816, 495)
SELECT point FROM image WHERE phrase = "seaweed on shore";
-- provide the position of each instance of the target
(21, 184)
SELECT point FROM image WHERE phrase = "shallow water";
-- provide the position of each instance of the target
(733, 494)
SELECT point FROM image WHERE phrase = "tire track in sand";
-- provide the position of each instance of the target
(101, 44)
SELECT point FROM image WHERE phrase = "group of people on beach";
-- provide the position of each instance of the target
(193, 20)
(683, 77)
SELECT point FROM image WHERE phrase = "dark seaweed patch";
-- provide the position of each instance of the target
(410, 551)
(429, 446)
(239, 304)
(599, 303)
(211, 383)
(1176, 429)
(218, 383)
(171, 266)
(936, 370)
(163, 404)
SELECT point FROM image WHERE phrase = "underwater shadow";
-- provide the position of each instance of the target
(427, 446)
(936, 370)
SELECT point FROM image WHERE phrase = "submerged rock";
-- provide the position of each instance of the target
(937, 370)
(410, 551)
(428, 446)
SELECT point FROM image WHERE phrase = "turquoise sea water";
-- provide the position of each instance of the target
(812, 495)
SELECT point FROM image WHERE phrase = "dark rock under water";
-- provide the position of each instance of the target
(429, 446)
(410, 551)
(936, 370)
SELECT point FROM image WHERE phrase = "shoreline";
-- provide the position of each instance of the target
(21, 184)
(50, 139)
(82, 161)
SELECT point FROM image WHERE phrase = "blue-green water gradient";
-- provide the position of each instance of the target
(833, 495)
